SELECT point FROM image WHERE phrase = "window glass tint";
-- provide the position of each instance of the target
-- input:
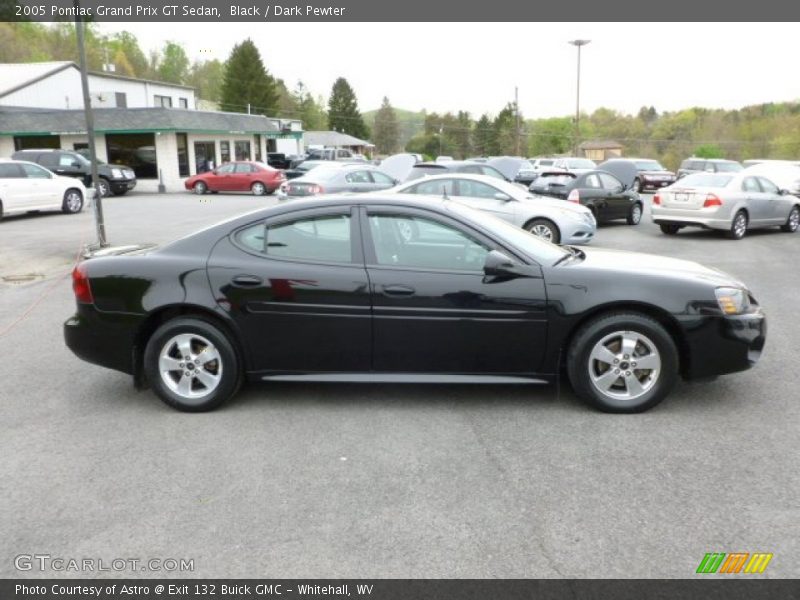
(358, 177)
(8, 170)
(66, 160)
(252, 237)
(705, 180)
(476, 189)
(437, 187)
(750, 185)
(728, 167)
(243, 168)
(768, 186)
(325, 238)
(591, 181)
(35, 171)
(226, 168)
(421, 243)
(379, 177)
(48, 159)
(609, 182)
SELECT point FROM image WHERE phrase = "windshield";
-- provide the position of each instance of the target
(729, 167)
(535, 247)
(704, 180)
(649, 165)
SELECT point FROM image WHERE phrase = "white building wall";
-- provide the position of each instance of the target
(61, 90)
(6, 146)
(139, 94)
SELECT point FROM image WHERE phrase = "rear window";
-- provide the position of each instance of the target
(705, 180)
(728, 167)
(555, 179)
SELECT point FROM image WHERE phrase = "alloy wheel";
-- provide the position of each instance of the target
(624, 365)
(259, 189)
(543, 231)
(190, 365)
(74, 201)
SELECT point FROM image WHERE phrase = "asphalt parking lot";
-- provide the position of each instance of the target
(301, 480)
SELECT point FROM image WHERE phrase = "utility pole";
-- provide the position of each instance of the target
(87, 110)
(578, 44)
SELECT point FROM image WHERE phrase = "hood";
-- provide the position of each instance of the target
(647, 264)
(625, 171)
(398, 166)
(507, 165)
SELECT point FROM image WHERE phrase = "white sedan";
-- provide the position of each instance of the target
(557, 221)
(27, 187)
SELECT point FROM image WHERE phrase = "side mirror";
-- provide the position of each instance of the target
(784, 192)
(76, 164)
(501, 196)
(498, 264)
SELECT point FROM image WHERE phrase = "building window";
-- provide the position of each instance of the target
(122, 99)
(242, 149)
(272, 145)
(224, 152)
(135, 150)
(23, 142)
(183, 154)
(163, 101)
(183, 102)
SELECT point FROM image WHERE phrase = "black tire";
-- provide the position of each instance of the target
(611, 329)
(792, 221)
(738, 226)
(669, 228)
(635, 214)
(103, 187)
(538, 227)
(226, 369)
(72, 202)
(119, 192)
(199, 188)
(258, 189)
(637, 186)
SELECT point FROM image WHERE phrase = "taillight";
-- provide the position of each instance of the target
(574, 196)
(316, 189)
(712, 200)
(80, 284)
(657, 200)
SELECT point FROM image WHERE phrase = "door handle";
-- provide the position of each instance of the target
(398, 290)
(247, 281)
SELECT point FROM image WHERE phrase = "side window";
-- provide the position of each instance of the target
(226, 168)
(10, 170)
(66, 160)
(492, 172)
(358, 177)
(421, 243)
(437, 187)
(48, 159)
(474, 169)
(609, 182)
(35, 172)
(324, 238)
(768, 186)
(750, 185)
(243, 168)
(476, 189)
(379, 177)
(252, 237)
(591, 181)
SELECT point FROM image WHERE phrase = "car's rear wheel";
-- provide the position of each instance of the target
(622, 362)
(545, 229)
(635, 214)
(669, 228)
(191, 365)
(258, 188)
(792, 221)
(738, 226)
(73, 201)
(200, 188)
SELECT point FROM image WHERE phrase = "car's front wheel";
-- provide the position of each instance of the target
(622, 362)
(792, 221)
(200, 188)
(545, 229)
(73, 201)
(191, 364)
(635, 214)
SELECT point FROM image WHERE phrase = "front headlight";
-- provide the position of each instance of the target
(733, 301)
(116, 173)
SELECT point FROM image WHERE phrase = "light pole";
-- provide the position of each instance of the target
(578, 44)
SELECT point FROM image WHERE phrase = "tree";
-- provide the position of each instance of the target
(385, 129)
(173, 65)
(505, 131)
(709, 151)
(124, 44)
(207, 78)
(343, 113)
(247, 82)
(483, 136)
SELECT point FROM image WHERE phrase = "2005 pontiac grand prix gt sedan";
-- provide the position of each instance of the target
(331, 290)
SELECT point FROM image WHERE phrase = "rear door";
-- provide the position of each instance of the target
(242, 178)
(15, 190)
(381, 181)
(434, 311)
(758, 203)
(358, 181)
(43, 189)
(618, 201)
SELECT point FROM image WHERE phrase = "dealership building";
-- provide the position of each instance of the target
(153, 127)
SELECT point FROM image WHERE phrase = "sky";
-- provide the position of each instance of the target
(476, 66)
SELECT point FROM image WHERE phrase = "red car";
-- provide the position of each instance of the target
(240, 176)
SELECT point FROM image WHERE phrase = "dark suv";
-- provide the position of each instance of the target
(113, 179)
(708, 165)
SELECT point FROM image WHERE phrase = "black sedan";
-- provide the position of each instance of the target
(602, 193)
(330, 290)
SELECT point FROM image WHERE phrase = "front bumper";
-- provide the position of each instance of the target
(656, 184)
(720, 345)
(119, 186)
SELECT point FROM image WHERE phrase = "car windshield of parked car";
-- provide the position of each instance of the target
(538, 249)
(705, 180)
(649, 165)
(580, 163)
(729, 167)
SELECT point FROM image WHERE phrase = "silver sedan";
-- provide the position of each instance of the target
(557, 221)
(731, 202)
(337, 178)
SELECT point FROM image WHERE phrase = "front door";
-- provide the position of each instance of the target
(618, 199)
(434, 311)
(298, 290)
(486, 198)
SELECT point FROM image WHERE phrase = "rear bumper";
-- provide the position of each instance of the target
(720, 345)
(709, 218)
(108, 345)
